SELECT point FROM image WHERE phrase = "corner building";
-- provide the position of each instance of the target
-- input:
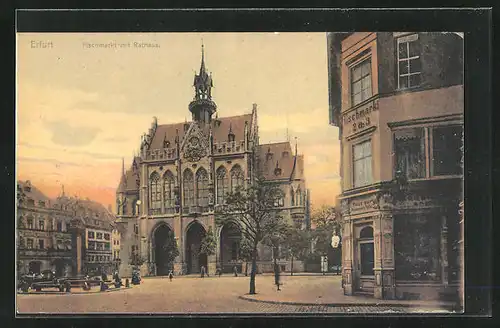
(397, 99)
(184, 171)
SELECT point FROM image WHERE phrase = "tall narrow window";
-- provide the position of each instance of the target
(222, 185)
(41, 224)
(279, 199)
(168, 192)
(29, 243)
(298, 195)
(188, 186)
(362, 164)
(155, 193)
(236, 177)
(202, 187)
(30, 223)
(447, 154)
(409, 148)
(361, 82)
(292, 197)
(409, 65)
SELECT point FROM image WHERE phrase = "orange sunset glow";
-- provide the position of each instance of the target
(81, 109)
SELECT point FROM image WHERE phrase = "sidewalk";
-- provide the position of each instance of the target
(293, 293)
(74, 290)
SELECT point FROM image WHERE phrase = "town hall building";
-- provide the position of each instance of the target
(184, 171)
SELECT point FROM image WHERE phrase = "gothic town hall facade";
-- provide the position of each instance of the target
(184, 170)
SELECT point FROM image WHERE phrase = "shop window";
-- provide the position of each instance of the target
(417, 247)
(409, 148)
(361, 82)
(92, 245)
(362, 160)
(107, 246)
(99, 235)
(409, 65)
(106, 236)
(446, 152)
(90, 234)
(100, 246)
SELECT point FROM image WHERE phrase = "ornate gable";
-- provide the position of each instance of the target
(195, 145)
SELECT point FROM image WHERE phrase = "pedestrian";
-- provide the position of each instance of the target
(203, 271)
(235, 271)
(219, 272)
(170, 275)
(277, 276)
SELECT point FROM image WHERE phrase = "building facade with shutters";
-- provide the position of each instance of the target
(184, 170)
(397, 99)
(67, 235)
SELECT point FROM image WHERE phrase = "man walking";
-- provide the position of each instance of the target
(277, 276)
(202, 271)
(235, 271)
(170, 275)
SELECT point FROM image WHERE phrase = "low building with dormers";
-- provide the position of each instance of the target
(184, 171)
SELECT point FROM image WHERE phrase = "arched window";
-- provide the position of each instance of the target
(367, 232)
(188, 187)
(298, 200)
(236, 177)
(292, 197)
(202, 187)
(154, 192)
(222, 184)
(168, 192)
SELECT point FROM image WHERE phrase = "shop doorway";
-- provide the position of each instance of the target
(365, 261)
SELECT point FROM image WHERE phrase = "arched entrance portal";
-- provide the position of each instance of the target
(230, 238)
(194, 259)
(163, 238)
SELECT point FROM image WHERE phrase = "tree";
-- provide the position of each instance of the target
(170, 249)
(252, 208)
(277, 238)
(245, 252)
(208, 243)
(136, 259)
(297, 244)
(326, 220)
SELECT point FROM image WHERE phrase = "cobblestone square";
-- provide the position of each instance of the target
(226, 294)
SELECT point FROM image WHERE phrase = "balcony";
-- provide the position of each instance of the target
(297, 211)
(232, 147)
(161, 154)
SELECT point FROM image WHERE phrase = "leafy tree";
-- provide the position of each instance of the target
(326, 219)
(252, 208)
(297, 244)
(170, 249)
(136, 259)
(208, 243)
(245, 252)
(277, 238)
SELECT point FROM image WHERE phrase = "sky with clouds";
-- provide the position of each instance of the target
(80, 110)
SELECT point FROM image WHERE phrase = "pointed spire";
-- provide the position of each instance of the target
(296, 153)
(202, 67)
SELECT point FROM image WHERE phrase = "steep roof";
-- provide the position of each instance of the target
(220, 130)
(31, 192)
(274, 155)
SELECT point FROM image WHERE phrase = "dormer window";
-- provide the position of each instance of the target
(277, 170)
(230, 137)
(269, 155)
